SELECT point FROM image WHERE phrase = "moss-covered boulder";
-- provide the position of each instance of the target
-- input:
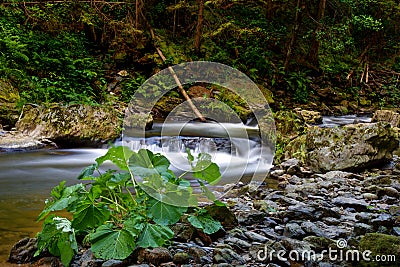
(353, 146)
(69, 126)
(381, 245)
(289, 126)
(387, 116)
(310, 116)
(9, 98)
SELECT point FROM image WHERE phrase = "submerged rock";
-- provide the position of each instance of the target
(353, 146)
(68, 126)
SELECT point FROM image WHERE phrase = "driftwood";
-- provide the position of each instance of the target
(171, 70)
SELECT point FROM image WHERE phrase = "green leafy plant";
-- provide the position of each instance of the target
(119, 211)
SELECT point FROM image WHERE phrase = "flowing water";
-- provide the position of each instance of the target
(26, 178)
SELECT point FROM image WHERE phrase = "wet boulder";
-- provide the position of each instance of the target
(14, 141)
(69, 126)
(353, 146)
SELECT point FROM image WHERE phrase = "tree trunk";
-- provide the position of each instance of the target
(199, 27)
(293, 36)
(315, 43)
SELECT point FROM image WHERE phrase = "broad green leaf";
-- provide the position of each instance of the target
(118, 155)
(58, 237)
(87, 173)
(154, 235)
(112, 243)
(89, 216)
(205, 222)
(165, 214)
(63, 198)
(206, 170)
(145, 163)
(207, 192)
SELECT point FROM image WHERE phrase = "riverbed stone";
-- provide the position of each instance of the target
(23, 251)
(181, 258)
(310, 116)
(15, 141)
(293, 230)
(73, 125)
(346, 202)
(155, 256)
(387, 116)
(353, 146)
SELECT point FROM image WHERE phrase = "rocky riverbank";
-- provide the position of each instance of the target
(293, 220)
(300, 216)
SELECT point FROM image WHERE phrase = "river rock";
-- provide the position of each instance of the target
(389, 116)
(23, 251)
(15, 141)
(353, 146)
(155, 256)
(9, 99)
(347, 202)
(310, 116)
(70, 126)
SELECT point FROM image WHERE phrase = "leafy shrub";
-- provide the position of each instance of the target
(116, 214)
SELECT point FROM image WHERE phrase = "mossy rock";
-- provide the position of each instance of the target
(380, 244)
(9, 98)
(74, 125)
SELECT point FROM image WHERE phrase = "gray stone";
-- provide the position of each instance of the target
(362, 229)
(388, 191)
(113, 263)
(357, 204)
(396, 231)
(23, 251)
(293, 230)
(256, 237)
(353, 146)
(239, 242)
(383, 219)
(226, 255)
(181, 258)
(312, 229)
(301, 212)
(370, 196)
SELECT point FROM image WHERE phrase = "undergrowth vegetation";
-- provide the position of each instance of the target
(72, 51)
(117, 211)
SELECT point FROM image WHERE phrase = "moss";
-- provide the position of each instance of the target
(380, 244)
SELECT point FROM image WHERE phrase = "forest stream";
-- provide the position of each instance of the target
(26, 178)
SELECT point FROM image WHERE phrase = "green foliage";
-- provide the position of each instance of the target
(118, 211)
(298, 82)
(58, 237)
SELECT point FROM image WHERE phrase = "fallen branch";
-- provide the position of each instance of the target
(171, 70)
